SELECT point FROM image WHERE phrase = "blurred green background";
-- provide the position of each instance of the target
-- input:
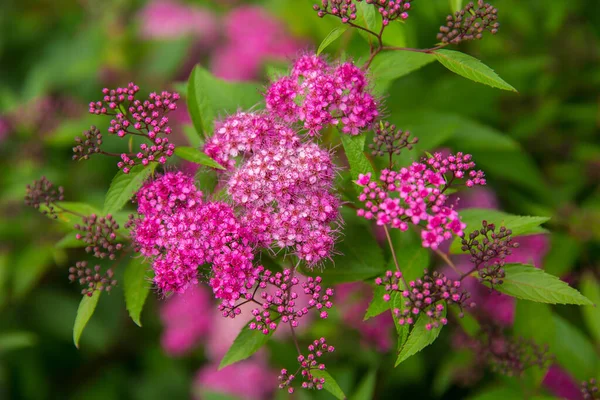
(539, 148)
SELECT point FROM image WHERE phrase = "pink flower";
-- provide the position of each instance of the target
(561, 384)
(162, 19)
(248, 379)
(187, 319)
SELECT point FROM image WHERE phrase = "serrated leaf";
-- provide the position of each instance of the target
(398, 301)
(471, 68)
(209, 97)
(529, 283)
(518, 224)
(196, 156)
(124, 186)
(377, 305)
(330, 384)
(331, 37)
(389, 66)
(136, 287)
(591, 289)
(246, 343)
(86, 309)
(419, 338)
(354, 147)
(366, 388)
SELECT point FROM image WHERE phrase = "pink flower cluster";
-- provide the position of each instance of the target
(134, 117)
(251, 37)
(181, 233)
(416, 195)
(284, 188)
(319, 94)
(308, 363)
(284, 300)
(426, 295)
(390, 10)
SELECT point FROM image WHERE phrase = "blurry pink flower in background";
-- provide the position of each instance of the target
(476, 197)
(163, 19)
(247, 379)
(252, 37)
(4, 128)
(561, 384)
(187, 318)
(353, 299)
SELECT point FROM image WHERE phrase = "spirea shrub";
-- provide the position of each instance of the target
(275, 227)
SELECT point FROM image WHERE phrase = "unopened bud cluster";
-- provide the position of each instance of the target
(100, 236)
(390, 10)
(488, 250)
(590, 390)
(131, 116)
(308, 363)
(426, 295)
(469, 23)
(91, 279)
(42, 192)
(388, 140)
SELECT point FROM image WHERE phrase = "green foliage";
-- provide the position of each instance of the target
(330, 384)
(377, 305)
(590, 288)
(419, 338)
(209, 97)
(67, 218)
(391, 65)
(29, 267)
(354, 147)
(136, 286)
(246, 343)
(455, 5)
(366, 387)
(124, 186)
(332, 37)
(196, 156)
(573, 350)
(471, 68)
(86, 309)
(10, 341)
(529, 283)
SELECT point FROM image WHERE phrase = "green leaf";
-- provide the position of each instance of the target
(520, 225)
(331, 37)
(16, 340)
(419, 338)
(591, 289)
(397, 301)
(530, 283)
(69, 219)
(70, 242)
(498, 393)
(471, 68)
(330, 384)
(449, 368)
(354, 147)
(366, 388)
(468, 322)
(359, 255)
(86, 309)
(136, 287)
(124, 186)
(455, 5)
(573, 350)
(563, 254)
(196, 156)
(209, 97)
(413, 259)
(389, 66)
(246, 343)
(366, 16)
(29, 267)
(377, 305)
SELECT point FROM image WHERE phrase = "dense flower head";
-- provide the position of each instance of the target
(426, 295)
(252, 37)
(246, 133)
(187, 318)
(181, 233)
(134, 117)
(286, 195)
(308, 363)
(319, 94)
(280, 298)
(416, 195)
(390, 10)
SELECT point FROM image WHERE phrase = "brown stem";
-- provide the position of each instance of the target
(447, 260)
(295, 339)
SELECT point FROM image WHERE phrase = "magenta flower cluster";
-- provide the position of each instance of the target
(308, 363)
(284, 188)
(319, 94)
(134, 117)
(181, 232)
(416, 195)
(426, 295)
(284, 298)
